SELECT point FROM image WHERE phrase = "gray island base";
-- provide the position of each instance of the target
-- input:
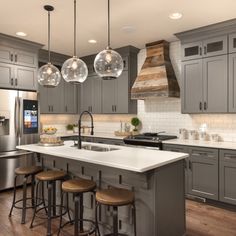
(159, 194)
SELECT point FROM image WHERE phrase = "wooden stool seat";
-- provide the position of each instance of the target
(115, 197)
(51, 175)
(29, 170)
(78, 185)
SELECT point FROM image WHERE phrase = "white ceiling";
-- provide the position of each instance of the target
(148, 17)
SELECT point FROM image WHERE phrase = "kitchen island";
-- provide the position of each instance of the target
(156, 177)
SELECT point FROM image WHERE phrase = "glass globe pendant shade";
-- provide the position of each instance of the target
(108, 64)
(49, 75)
(74, 70)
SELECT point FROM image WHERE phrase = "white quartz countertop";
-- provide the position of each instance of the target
(198, 143)
(96, 135)
(127, 158)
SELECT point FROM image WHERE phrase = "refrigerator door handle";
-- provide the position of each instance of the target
(20, 101)
(16, 117)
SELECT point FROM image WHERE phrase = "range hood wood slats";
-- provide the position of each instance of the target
(157, 77)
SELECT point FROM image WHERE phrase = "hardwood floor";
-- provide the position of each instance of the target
(202, 220)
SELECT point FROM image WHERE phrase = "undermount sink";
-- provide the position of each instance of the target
(96, 148)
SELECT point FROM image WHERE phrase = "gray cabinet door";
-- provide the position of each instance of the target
(97, 94)
(203, 172)
(56, 99)
(87, 94)
(215, 84)
(215, 46)
(70, 98)
(122, 93)
(7, 75)
(191, 88)
(6, 54)
(43, 98)
(25, 58)
(25, 78)
(108, 96)
(227, 176)
(232, 43)
(232, 82)
(184, 149)
(192, 51)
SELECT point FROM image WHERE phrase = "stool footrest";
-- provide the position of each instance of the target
(28, 207)
(118, 234)
(46, 217)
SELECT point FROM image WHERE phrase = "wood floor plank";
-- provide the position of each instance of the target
(202, 220)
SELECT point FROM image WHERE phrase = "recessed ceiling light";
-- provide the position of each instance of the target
(92, 41)
(21, 34)
(175, 16)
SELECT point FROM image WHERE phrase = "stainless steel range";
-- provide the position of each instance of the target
(19, 124)
(153, 140)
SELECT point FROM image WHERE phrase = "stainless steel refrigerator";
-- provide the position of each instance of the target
(19, 124)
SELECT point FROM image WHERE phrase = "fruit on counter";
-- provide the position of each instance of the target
(50, 130)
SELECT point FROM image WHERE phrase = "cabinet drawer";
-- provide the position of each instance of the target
(208, 153)
(174, 148)
(228, 156)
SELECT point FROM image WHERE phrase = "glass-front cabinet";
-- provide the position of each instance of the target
(232, 43)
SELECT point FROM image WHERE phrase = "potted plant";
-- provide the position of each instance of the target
(135, 122)
(70, 128)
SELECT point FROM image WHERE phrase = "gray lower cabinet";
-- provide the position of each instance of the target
(202, 79)
(91, 94)
(227, 176)
(232, 82)
(203, 172)
(184, 149)
(70, 98)
(115, 96)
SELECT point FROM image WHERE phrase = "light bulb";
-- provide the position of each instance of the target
(74, 65)
(108, 57)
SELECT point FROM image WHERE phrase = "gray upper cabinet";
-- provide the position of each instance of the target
(192, 77)
(111, 96)
(227, 176)
(232, 82)
(91, 94)
(70, 98)
(18, 63)
(191, 51)
(203, 172)
(215, 46)
(232, 43)
(215, 87)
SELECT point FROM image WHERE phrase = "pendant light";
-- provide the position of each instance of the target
(48, 74)
(108, 64)
(74, 70)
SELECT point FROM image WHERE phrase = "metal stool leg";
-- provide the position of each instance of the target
(24, 200)
(134, 218)
(14, 197)
(50, 187)
(81, 212)
(60, 224)
(76, 217)
(35, 206)
(115, 221)
(43, 199)
(96, 218)
(32, 189)
(67, 205)
(54, 198)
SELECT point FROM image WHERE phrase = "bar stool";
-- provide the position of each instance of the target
(25, 172)
(116, 197)
(50, 177)
(78, 187)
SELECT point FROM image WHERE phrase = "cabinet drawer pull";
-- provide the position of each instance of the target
(200, 106)
(11, 57)
(205, 105)
(15, 57)
(203, 154)
(12, 82)
(230, 157)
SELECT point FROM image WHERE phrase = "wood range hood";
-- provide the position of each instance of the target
(157, 77)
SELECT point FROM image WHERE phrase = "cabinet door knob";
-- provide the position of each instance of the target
(200, 106)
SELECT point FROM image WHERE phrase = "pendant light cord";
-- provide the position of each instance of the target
(108, 24)
(49, 38)
(74, 27)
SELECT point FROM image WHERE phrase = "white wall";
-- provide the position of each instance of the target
(164, 114)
